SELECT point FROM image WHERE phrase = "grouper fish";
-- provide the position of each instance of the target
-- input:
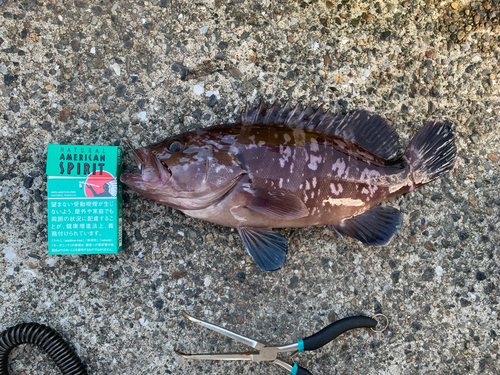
(291, 166)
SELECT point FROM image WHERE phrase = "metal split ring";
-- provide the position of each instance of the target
(386, 322)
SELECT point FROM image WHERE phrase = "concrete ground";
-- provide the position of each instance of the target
(106, 72)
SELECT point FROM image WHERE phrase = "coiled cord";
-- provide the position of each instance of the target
(45, 337)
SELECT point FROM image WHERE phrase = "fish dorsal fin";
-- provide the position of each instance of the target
(366, 129)
(362, 127)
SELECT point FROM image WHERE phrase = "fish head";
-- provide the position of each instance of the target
(189, 171)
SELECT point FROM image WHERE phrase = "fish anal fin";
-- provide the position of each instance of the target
(265, 246)
(279, 204)
(375, 227)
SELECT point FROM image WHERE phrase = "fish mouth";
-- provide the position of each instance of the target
(153, 170)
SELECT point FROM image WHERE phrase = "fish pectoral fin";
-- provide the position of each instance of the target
(266, 247)
(279, 204)
(374, 227)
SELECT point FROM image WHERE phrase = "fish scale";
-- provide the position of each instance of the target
(293, 167)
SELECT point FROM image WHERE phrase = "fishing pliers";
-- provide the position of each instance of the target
(266, 353)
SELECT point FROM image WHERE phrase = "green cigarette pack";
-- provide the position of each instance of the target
(84, 199)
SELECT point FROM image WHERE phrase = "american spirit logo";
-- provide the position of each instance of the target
(80, 161)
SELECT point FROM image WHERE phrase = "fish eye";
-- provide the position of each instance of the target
(176, 146)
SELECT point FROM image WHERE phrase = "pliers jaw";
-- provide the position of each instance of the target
(263, 354)
(218, 356)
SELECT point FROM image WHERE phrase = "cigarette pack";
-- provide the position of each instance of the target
(84, 199)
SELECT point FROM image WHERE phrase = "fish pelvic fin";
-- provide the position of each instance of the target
(266, 247)
(431, 153)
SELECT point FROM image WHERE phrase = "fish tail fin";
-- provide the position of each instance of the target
(432, 152)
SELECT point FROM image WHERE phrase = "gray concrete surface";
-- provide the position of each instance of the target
(102, 72)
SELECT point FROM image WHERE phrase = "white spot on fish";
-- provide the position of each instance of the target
(235, 215)
(344, 201)
(291, 168)
(252, 145)
(287, 138)
(314, 145)
(336, 190)
(307, 185)
(286, 153)
(281, 183)
(339, 166)
(314, 182)
(312, 194)
(368, 174)
(373, 189)
(315, 160)
(229, 139)
(364, 191)
(219, 168)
